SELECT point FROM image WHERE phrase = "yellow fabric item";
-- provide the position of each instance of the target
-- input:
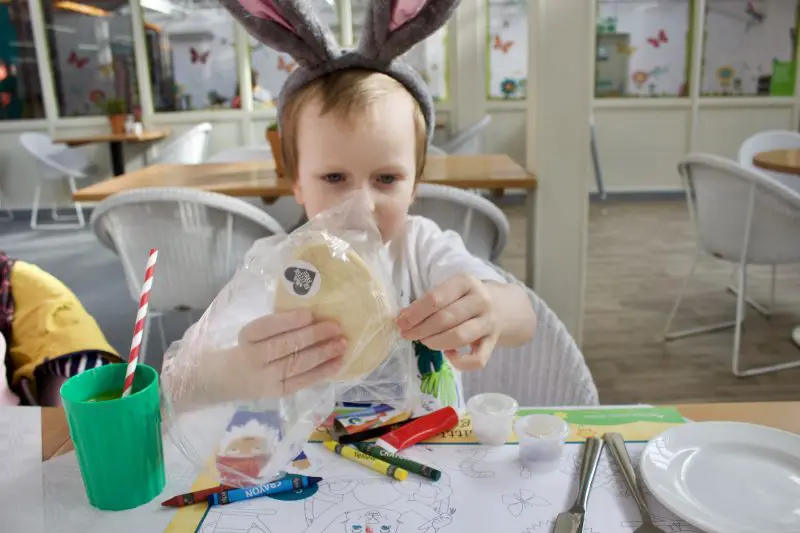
(49, 321)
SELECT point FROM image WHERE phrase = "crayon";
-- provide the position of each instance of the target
(348, 452)
(198, 496)
(393, 459)
(286, 484)
(373, 432)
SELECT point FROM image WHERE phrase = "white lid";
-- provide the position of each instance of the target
(492, 404)
(546, 427)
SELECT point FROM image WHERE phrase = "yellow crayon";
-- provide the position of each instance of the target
(353, 454)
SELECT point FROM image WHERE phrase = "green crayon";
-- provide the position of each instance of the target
(396, 460)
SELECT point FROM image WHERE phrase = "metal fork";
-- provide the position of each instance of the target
(617, 445)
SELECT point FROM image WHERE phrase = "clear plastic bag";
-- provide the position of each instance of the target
(226, 407)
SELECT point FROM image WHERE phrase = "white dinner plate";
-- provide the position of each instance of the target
(727, 477)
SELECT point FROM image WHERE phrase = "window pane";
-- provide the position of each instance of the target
(749, 48)
(428, 58)
(508, 49)
(192, 56)
(642, 48)
(271, 68)
(20, 88)
(91, 52)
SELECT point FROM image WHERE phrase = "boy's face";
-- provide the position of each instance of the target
(374, 153)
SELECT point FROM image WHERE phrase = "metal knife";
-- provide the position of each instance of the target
(572, 521)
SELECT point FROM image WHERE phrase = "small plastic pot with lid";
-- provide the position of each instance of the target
(492, 416)
(541, 441)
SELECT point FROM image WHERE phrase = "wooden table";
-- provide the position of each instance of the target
(780, 415)
(116, 142)
(258, 179)
(786, 161)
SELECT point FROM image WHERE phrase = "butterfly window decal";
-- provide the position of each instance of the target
(754, 16)
(659, 39)
(199, 57)
(79, 62)
(500, 44)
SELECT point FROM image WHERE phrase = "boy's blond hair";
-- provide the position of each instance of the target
(347, 93)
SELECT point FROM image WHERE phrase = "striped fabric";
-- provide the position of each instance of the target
(6, 308)
(70, 365)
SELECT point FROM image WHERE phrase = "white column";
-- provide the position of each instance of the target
(243, 69)
(142, 67)
(345, 12)
(42, 49)
(696, 71)
(558, 144)
(467, 57)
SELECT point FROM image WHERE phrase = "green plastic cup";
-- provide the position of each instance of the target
(117, 440)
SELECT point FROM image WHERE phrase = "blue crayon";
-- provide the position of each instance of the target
(286, 484)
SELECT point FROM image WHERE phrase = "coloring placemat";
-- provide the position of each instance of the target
(635, 424)
(265, 515)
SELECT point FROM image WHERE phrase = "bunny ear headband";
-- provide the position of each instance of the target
(391, 28)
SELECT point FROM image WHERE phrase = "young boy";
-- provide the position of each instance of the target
(356, 129)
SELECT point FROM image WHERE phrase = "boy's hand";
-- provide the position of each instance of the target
(459, 312)
(288, 351)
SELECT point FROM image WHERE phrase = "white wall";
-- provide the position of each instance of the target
(639, 146)
(641, 140)
(721, 130)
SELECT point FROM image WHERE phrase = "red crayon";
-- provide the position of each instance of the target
(420, 429)
(198, 496)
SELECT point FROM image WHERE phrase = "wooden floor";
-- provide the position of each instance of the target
(638, 257)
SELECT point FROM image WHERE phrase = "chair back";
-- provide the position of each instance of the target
(54, 160)
(550, 370)
(734, 208)
(202, 238)
(246, 153)
(481, 224)
(469, 141)
(189, 148)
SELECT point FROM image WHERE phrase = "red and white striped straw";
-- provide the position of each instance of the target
(138, 328)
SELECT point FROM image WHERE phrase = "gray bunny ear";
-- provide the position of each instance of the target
(392, 27)
(289, 26)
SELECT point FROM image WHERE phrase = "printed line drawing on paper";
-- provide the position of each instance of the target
(377, 504)
(523, 499)
(238, 520)
(474, 464)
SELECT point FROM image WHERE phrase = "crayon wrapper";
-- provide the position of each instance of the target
(359, 421)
